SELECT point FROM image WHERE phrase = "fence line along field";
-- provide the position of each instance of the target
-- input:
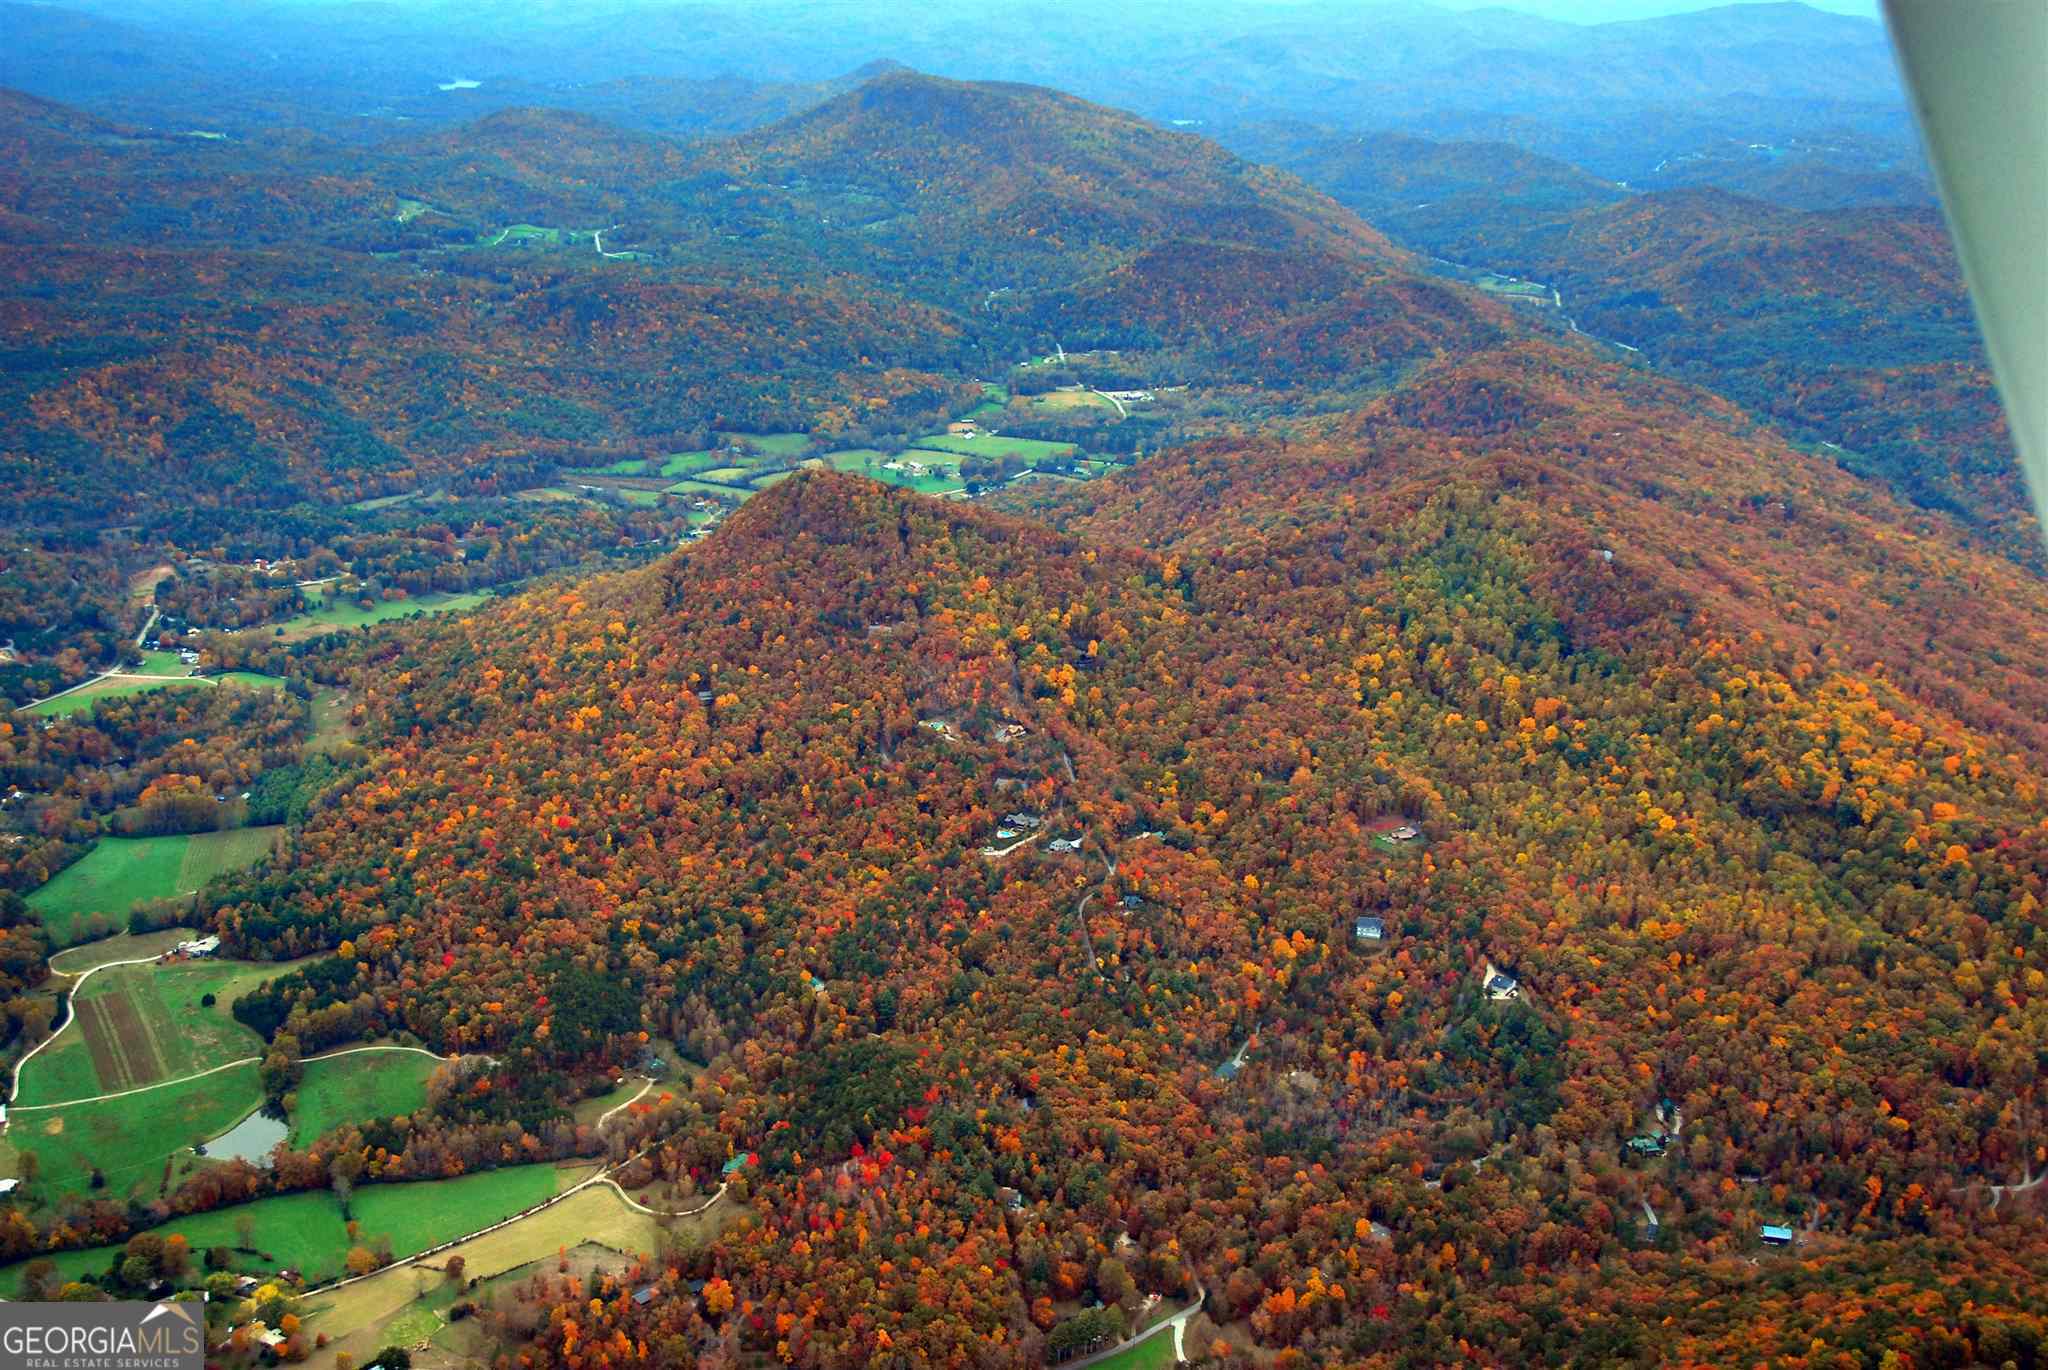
(121, 872)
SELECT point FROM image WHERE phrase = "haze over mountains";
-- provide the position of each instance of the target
(1738, 89)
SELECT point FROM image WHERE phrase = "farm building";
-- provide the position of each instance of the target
(9, 1186)
(204, 946)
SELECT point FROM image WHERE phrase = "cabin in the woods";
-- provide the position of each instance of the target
(1010, 1198)
(1369, 929)
(1773, 1235)
(1498, 984)
(1407, 832)
(1646, 1145)
(1065, 844)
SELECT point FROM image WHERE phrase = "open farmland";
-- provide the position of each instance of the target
(1030, 449)
(81, 700)
(359, 1087)
(308, 1231)
(596, 1221)
(332, 613)
(141, 1024)
(138, 1142)
(120, 872)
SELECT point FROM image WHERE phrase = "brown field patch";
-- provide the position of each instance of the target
(54, 1126)
(123, 1054)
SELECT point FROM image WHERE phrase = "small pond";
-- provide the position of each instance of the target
(250, 1140)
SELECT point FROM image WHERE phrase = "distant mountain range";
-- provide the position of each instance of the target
(1027, 216)
(1620, 99)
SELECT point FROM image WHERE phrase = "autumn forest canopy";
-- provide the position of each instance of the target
(882, 715)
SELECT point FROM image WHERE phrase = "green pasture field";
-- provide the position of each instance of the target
(160, 663)
(119, 872)
(308, 1232)
(625, 466)
(945, 477)
(772, 444)
(359, 1087)
(1031, 449)
(332, 613)
(132, 1139)
(81, 701)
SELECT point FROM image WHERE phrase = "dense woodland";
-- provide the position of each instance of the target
(1840, 319)
(1729, 755)
(1745, 853)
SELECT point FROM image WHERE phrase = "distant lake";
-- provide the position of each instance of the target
(460, 83)
(250, 1140)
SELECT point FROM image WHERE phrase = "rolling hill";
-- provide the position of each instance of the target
(1847, 327)
(1649, 682)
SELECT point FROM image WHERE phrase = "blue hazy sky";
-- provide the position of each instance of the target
(1602, 11)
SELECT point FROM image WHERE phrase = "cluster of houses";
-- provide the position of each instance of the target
(185, 654)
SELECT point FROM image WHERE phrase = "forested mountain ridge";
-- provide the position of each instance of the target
(1849, 327)
(1736, 866)
(1025, 160)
